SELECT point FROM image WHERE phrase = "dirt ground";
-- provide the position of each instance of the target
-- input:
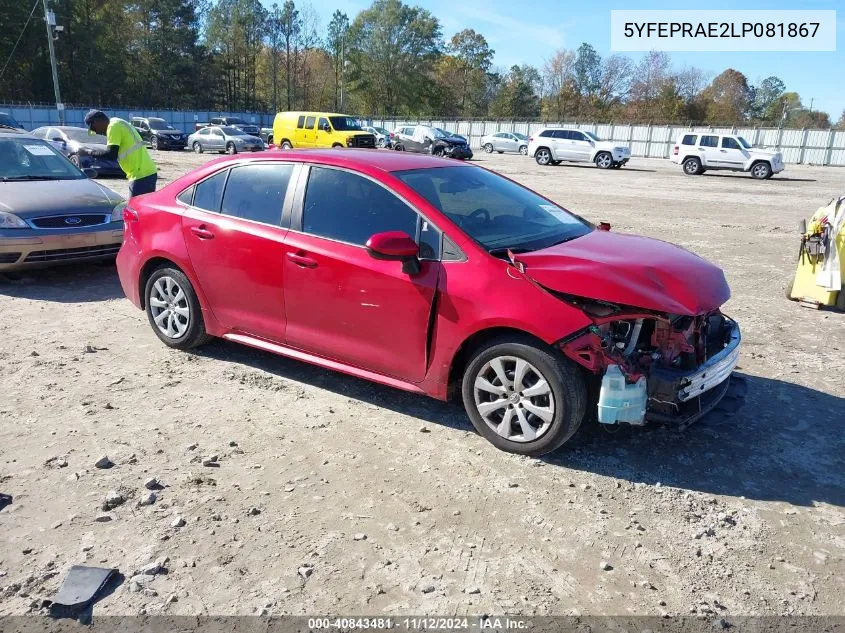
(333, 495)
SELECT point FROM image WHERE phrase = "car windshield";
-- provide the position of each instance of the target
(81, 136)
(440, 133)
(595, 137)
(160, 124)
(381, 130)
(743, 142)
(521, 137)
(344, 124)
(495, 212)
(233, 131)
(33, 159)
(8, 121)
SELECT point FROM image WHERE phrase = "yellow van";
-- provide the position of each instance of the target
(319, 129)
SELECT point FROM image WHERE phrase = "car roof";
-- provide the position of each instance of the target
(8, 131)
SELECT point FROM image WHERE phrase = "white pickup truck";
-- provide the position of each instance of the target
(698, 152)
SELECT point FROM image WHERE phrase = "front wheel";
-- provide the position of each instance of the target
(154, 143)
(197, 148)
(543, 156)
(761, 171)
(523, 150)
(173, 309)
(604, 160)
(380, 143)
(523, 398)
(231, 149)
(488, 147)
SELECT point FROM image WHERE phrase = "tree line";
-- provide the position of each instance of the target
(390, 59)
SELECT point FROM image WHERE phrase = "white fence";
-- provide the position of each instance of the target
(806, 147)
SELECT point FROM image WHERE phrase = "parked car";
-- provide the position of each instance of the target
(699, 152)
(266, 135)
(437, 278)
(505, 142)
(69, 139)
(384, 138)
(8, 121)
(159, 134)
(551, 146)
(51, 212)
(224, 139)
(232, 121)
(431, 140)
(319, 129)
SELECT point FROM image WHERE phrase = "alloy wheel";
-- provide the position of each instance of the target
(514, 399)
(488, 148)
(523, 150)
(691, 167)
(604, 160)
(169, 307)
(760, 170)
(543, 156)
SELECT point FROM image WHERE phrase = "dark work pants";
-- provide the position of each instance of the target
(147, 184)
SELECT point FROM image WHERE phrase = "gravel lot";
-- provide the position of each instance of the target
(330, 494)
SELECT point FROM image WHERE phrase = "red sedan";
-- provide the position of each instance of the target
(436, 277)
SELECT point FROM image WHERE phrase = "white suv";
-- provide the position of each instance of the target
(698, 152)
(554, 145)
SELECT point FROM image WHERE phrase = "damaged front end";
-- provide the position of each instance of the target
(656, 366)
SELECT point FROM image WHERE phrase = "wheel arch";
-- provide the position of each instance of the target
(539, 147)
(474, 342)
(754, 161)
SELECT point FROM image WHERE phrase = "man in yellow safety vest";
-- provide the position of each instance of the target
(123, 144)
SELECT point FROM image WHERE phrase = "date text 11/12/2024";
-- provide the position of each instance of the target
(421, 623)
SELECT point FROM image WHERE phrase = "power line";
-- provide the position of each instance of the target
(15, 47)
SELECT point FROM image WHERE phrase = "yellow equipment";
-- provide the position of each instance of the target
(817, 283)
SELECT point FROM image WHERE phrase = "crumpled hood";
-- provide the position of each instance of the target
(629, 270)
(50, 197)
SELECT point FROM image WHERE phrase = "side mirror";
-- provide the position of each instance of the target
(396, 246)
(59, 139)
(91, 173)
(604, 226)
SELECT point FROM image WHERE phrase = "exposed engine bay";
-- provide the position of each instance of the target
(654, 366)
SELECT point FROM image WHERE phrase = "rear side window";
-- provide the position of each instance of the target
(209, 192)
(709, 141)
(309, 123)
(689, 139)
(563, 134)
(343, 206)
(547, 133)
(730, 143)
(257, 192)
(187, 196)
(301, 122)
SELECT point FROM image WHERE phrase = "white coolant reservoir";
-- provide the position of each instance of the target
(621, 402)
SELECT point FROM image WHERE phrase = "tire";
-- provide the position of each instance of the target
(500, 151)
(74, 158)
(761, 170)
(154, 143)
(381, 143)
(692, 167)
(488, 147)
(604, 160)
(562, 404)
(523, 149)
(286, 144)
(168, 283)
(197, 148)
(270, 140)
(336, 145)
(231, 150)
(543, 156)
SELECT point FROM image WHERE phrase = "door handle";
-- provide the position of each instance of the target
(302, 260)
(724, 151)
(202, 232)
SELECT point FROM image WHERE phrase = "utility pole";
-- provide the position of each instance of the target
(50, 21)
(342, 66)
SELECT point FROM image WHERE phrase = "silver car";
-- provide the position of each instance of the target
(383, 137)
(505, 142)
(69, 140)
(50, 211)
(217, 138)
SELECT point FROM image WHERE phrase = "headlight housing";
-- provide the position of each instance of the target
(11, 221)
(117, 212)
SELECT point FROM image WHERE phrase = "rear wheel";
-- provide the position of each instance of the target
(197, 148)
(523, 398)
(604, 160)
(543, 156)
(488, 147)
(523, 149)
(761, 170)
(286, 144)
(231, 149)
(173, 309)
(154, 143)
(692, 167)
